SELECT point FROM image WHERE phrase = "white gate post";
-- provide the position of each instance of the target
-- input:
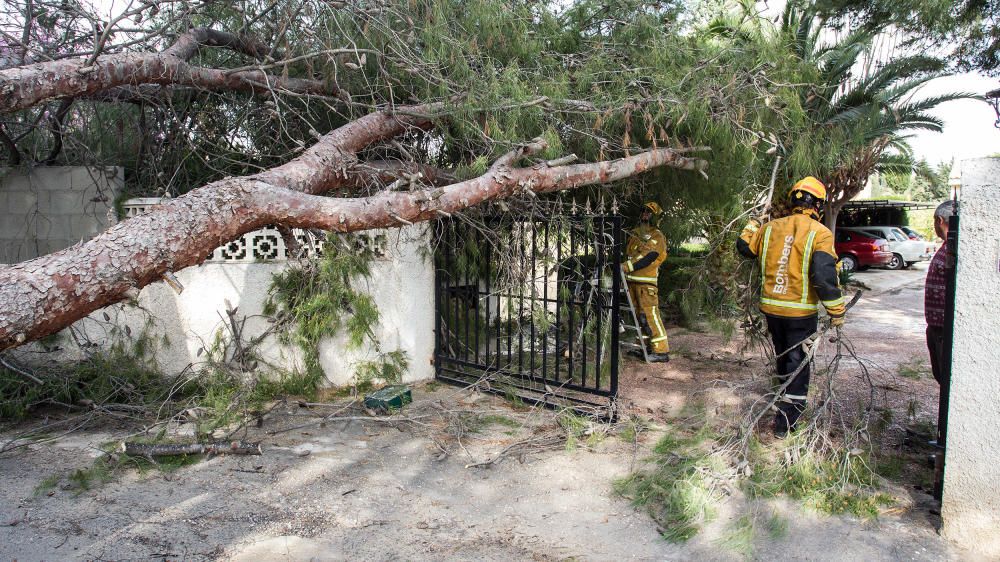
(971, 502)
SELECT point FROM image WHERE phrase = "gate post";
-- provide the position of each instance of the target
(971, 497)
(616, 291)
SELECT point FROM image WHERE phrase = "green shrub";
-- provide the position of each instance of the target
(120, 375)
(319, 300)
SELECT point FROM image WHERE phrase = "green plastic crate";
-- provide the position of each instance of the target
(388, 399)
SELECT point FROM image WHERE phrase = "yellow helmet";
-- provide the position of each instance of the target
(809, 185)
(653, 207)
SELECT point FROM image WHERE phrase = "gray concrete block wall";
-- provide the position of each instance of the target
(46, 209)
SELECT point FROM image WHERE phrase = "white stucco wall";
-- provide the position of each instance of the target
(182, 324)
(402, 284)
(971, 502)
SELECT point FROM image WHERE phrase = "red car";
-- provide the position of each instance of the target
(858, 251)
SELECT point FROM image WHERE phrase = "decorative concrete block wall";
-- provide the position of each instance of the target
(182, 326)
(971, 503)
(49, 208)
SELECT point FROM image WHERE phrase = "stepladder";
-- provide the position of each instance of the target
(630, 322)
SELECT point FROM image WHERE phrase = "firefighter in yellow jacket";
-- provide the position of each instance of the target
(798, 272)
(644, 252)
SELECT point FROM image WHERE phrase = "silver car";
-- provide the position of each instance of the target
(905, 252)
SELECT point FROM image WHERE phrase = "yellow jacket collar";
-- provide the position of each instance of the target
(812, 213)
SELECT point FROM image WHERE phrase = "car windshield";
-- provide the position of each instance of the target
(899, 234)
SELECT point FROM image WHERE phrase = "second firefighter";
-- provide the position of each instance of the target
(645, 251)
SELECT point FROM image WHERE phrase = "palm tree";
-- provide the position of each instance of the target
(859, 98)
(866, 105)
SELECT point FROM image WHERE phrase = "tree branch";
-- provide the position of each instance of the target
(372, 172)
(14, 157)
(188, 44)
(56, 125)
(392, 209)
(41, 296)
(22, 87)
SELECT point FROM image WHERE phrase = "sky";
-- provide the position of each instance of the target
(968, 124)
(969, 130)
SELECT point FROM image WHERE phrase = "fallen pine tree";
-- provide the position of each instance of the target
(367, 144)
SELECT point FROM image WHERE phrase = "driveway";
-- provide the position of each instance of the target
(374, 490)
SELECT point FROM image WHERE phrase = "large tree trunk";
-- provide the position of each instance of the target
(46, 294)
(27, 86)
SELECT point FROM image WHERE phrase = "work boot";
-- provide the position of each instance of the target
(780, 428)
(659, 357)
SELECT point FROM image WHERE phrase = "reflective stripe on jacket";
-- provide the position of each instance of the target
(644, 252)
(798, 266)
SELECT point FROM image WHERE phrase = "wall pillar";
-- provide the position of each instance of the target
(971, 501)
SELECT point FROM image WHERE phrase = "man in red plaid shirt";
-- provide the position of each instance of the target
(934, 292)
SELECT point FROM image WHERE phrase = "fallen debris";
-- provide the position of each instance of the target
(217, 448)
(389, 399)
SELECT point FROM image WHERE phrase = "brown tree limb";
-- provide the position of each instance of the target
(389, 209)
(56, 125)
(372, 172)
(188, 44)
(165, 450)
(29, 18)
(22, 87)
(41, 296)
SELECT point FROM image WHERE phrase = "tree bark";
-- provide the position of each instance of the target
(27, 86)
(44, 295)
(168, 450)
(848, 180)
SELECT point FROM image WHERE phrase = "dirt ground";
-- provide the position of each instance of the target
(382, 490)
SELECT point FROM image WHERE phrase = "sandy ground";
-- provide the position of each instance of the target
(379, 491)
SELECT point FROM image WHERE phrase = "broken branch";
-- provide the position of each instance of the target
(218, 448)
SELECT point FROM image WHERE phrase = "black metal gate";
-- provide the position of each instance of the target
(530, 307)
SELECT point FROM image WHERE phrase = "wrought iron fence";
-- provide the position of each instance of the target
(530, 307)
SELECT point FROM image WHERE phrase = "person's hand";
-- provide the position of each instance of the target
(753, 225)
(837, 321)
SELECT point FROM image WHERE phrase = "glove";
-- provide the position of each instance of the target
(837, 321)
(752, 226)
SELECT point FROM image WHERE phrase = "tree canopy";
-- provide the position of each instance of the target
(970, 29)
(183, 94)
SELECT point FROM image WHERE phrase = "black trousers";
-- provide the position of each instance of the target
(935, 345)
(788, 335)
